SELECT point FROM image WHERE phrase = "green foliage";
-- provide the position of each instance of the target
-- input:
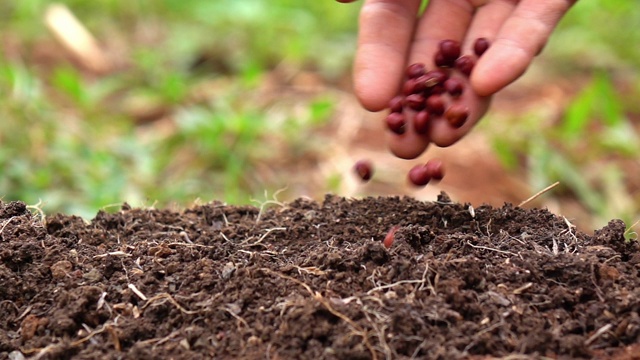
(577, 151)
(630, 234)
(599, 101)
(598, 32)
(587, 148)
(69, 140)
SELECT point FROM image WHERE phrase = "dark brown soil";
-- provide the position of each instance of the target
(309, 280)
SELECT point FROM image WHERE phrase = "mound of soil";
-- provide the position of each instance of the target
(309, 280)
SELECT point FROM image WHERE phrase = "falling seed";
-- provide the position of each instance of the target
(390, 238)
(364, 169)
(418, 175)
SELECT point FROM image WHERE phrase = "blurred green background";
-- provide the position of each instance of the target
(208, 99)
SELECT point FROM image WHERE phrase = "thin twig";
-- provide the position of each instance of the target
(36, 207)
(24, 313)
(522, 288)
(236, 316)
(267, 202)
(108, 326)
(597, 334)
(171, 300)
(113, 253)
(90, 336)
(190, 245)
(267, 232)
(480, 333)
(137, 292)
(310, 270)
(539, 193)
(41, 351)
(5, 223)
(491, 249)
(382, 287)
(595, 284)
(629, 231)
(159, 341)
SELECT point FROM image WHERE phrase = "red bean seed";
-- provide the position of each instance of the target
(396, 122)
(412, 86)
(364, 169)
(437, 90)
(395, 105)
(418, 175)
(457, 115)
(390, 237)
(454, 87)
(435, 169)
(441, 61)
(434, 77)
(435, 105)
(415, 70)
(425, 81)
(415, 102)
(480, 46)
(450, 50)
(465, 64)
(421, 122)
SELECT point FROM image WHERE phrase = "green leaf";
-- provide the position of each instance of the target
(68, 81)
(579, 113)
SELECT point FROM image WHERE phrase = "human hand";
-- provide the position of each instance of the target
(392, 35)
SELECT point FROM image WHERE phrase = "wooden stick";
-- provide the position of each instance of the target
(76, 39)
(539, 193)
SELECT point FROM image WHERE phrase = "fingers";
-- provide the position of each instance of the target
(519, 40)
(386, 29)
(443, 19)
(487, 20)
(443, 134)
(517, 29)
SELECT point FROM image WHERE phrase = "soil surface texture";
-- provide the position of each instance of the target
(313, 280)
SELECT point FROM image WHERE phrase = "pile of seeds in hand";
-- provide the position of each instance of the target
(429, 94)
